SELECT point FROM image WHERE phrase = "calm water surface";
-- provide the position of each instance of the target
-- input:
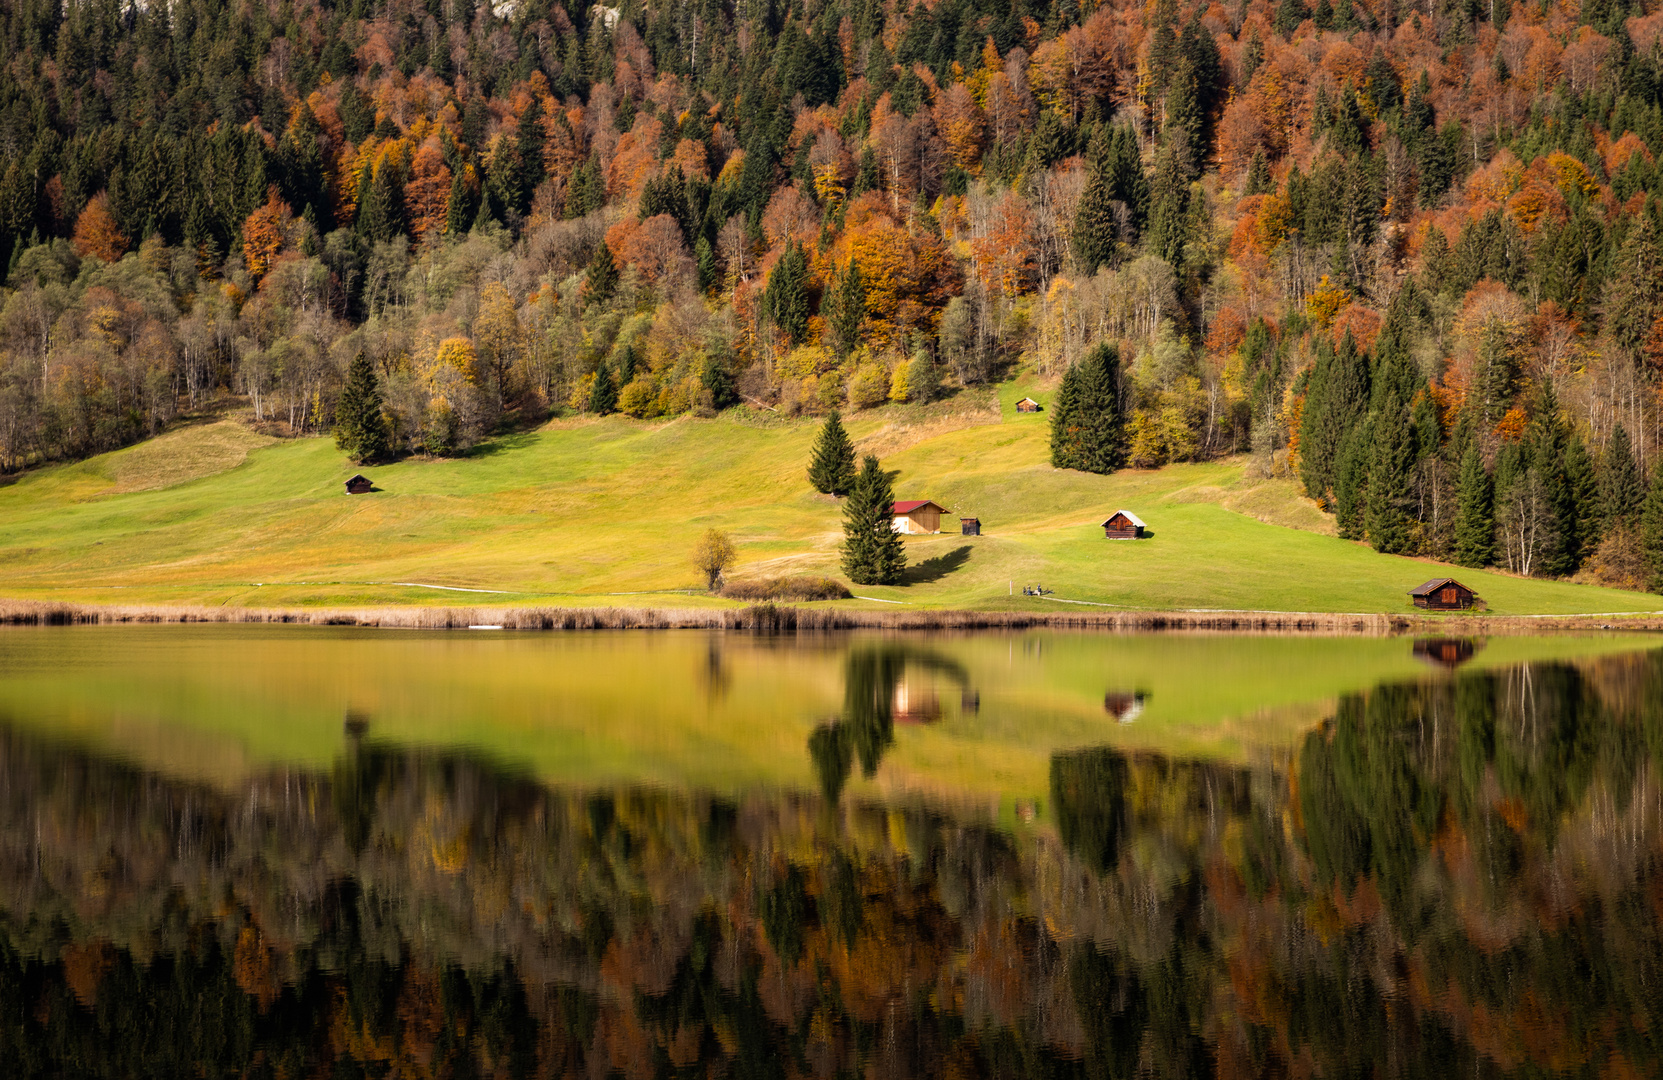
(295, 852)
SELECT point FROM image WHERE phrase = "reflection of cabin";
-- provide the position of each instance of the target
(1123, 525)
(915, 704)
(1443, 594)
(918, 516)
(1444, 652)
(1027, 404)
(1123, 706)
(970, 526)
(358, 485)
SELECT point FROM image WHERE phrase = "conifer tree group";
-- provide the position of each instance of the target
(1087, 425)
(872, 550)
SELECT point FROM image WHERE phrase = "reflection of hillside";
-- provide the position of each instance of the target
(1461, 878)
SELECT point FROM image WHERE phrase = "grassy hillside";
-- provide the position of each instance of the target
(606, 511)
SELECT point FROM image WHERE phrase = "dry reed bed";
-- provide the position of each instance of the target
(774, 618)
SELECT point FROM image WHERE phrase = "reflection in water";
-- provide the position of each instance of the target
(1448, 653)
(1452, 878)
(876, 697)
(1124, 706)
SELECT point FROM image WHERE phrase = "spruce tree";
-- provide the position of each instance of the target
(1065, 422)
(1620, 488)
(716, 378)
(1102, 444)
(847, 309)
(603, 394)
(872, 550)
(360, 427)
(786, 297)
(1094, 233)
(1651, 531)
(832, 470)
(1475, 524)
(600, 280)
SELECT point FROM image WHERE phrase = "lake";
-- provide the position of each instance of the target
(287, 851)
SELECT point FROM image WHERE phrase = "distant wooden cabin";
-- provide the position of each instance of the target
(1027, 404)
(1443, 594)
(970, 526)
(1123, 525)
(918, 517)
(359, 485)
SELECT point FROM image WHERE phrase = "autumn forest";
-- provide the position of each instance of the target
(1407, 254)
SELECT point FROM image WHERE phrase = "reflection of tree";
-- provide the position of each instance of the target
(867, 726)
(1088, 796)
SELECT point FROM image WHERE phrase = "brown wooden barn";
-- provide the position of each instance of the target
(917, 517)
(1027, 404)
(1123, 525)
(359, 485)
(970, 526)
(1443, 594)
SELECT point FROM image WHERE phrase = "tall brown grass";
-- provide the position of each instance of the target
(784, 618)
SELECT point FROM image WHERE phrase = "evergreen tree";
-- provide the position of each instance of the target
(786, 298)
(716, 378)
(1392, 452)
(1065, 422)
(1258, 176)
(1475, 525)
(1102, 446)
(847, 309)
(360, 427)
(603, 395)
(1093, 235)
(1634, 295)
(1621, 491)
(832, 471)
(600, 281)
(1651, 531)
(1351, 482)
(872, 549)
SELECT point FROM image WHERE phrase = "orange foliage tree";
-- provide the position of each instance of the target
(96, 234)
(263, 234)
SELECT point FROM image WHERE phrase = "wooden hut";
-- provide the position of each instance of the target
(918, 517)
(970, 526)
(1123, 525)
(1443, 594)
(1027, 404)
(359, 485)
(1447, 653)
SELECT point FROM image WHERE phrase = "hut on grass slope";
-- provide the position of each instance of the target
(1443, 594)
(1027, 404)
(359, 485)
(1123, 525)
(918, 517)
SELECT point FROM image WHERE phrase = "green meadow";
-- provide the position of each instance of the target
(606, 511)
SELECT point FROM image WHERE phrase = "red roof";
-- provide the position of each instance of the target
(907, 507)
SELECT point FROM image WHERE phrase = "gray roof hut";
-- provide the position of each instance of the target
(1124, 525)
(1443, 594)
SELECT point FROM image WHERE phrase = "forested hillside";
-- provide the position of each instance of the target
(1410, 254)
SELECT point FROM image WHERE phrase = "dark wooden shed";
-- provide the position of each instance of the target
(1443, 594)
(970, 526)
(1123, 525)
(1027, 404)
(359, 485)
(1448, 653)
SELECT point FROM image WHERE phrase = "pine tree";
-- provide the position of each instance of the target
(1258, 175)
(603, 395)
(1475, 525)
(1094, 233)
(1065, 422)
(716, 378)
(786, 297)
(601, 279)
(1621, 491)
(832, 471)
(1393, 448)
(1102, 446)
(1351, 481)
(872, 550)
(847, 309)
(360, 427)
(1651, 531)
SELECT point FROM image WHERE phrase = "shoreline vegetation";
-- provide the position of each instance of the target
(786, 618)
